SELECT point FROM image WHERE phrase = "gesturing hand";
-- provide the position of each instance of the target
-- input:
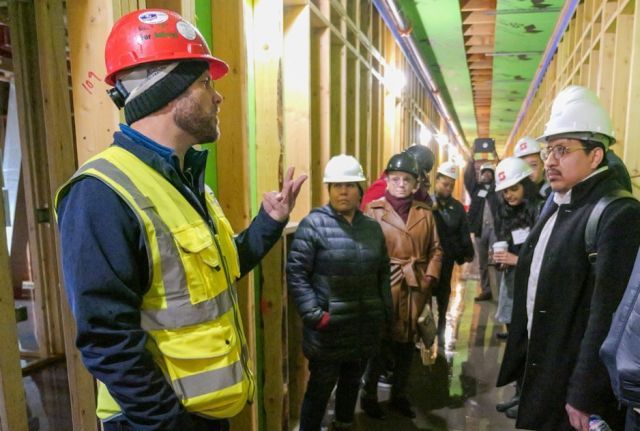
(280, 204)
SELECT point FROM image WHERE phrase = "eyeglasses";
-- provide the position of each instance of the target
(399, 180)
(558, 151)
(208, 83)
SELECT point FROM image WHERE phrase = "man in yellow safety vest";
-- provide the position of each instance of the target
(149, 259)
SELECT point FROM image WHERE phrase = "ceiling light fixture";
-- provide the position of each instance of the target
(391, 16)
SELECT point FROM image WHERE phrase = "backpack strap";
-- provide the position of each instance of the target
(591, 229)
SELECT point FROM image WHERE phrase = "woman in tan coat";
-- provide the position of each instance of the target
(415, 256)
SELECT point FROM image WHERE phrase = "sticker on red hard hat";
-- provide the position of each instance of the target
(153, 17)
(186, 30)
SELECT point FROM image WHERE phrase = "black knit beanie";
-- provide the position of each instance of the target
(165, 90)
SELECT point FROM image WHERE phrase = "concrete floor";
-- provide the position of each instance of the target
(458, 392)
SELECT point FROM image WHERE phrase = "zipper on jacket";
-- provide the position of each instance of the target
(234, 299)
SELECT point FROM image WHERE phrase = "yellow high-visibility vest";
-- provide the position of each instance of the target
(190, 310)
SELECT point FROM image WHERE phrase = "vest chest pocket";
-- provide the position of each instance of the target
(202, 264)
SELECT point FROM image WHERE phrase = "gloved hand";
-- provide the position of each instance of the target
(323, 323)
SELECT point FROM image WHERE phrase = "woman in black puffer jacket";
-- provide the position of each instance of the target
(338, 276)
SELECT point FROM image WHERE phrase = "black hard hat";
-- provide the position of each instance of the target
(403, 162)
(423, 155)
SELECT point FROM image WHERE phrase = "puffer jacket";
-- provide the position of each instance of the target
(340, 268)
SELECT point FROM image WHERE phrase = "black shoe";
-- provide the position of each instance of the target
(502, 335)
(503, 407)
(372, 408)
(403, 406)
(484, 296)
(512, 413)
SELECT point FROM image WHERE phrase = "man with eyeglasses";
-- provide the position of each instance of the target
(564, 299)
(149, 259)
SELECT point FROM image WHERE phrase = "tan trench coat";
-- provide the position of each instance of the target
(415, 253)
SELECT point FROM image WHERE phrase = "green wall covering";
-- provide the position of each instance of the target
(523, 29)
(439, 38)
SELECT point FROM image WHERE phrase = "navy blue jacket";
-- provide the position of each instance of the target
(343, 269)
(106, 274)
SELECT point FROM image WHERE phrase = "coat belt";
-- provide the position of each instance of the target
(404, 269)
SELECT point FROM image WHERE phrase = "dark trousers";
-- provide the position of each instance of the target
(323, 376)
(442, 293)
(199, 422)
(482, 249)
(402, 355)
(632, 422)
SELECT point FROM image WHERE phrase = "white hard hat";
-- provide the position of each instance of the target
(489, 166)
(577, 113)
(511, 171)
(526, 146)
(343, 169)
(448, 169)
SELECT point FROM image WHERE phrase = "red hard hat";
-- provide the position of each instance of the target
(154, 35)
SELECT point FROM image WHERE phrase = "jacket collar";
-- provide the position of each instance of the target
(391, 217)
(330, 211)
(164, 160)
(585, 187)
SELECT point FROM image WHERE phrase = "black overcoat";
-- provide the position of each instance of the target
(476, 209)
(573, 309)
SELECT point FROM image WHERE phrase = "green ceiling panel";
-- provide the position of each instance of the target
(437, 29)
(523, 29)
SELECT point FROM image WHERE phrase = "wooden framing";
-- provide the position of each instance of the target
(297, 97)
(59, 135)
(13, 409)
(600, 49)
(268, 30)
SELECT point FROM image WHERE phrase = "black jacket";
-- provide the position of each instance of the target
(342, 269)
(453, 229)
(477, 202)
(573, 309)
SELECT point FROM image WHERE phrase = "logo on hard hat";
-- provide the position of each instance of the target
(186, 30)
(523, 146)
(501, 175)
(153, 17)
(452, 170)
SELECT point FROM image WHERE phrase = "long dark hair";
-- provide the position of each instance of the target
(521, 216)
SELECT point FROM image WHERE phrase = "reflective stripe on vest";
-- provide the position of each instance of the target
(190, 310)
(173, 276)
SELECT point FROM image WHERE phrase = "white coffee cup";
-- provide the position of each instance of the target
(500, 246)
